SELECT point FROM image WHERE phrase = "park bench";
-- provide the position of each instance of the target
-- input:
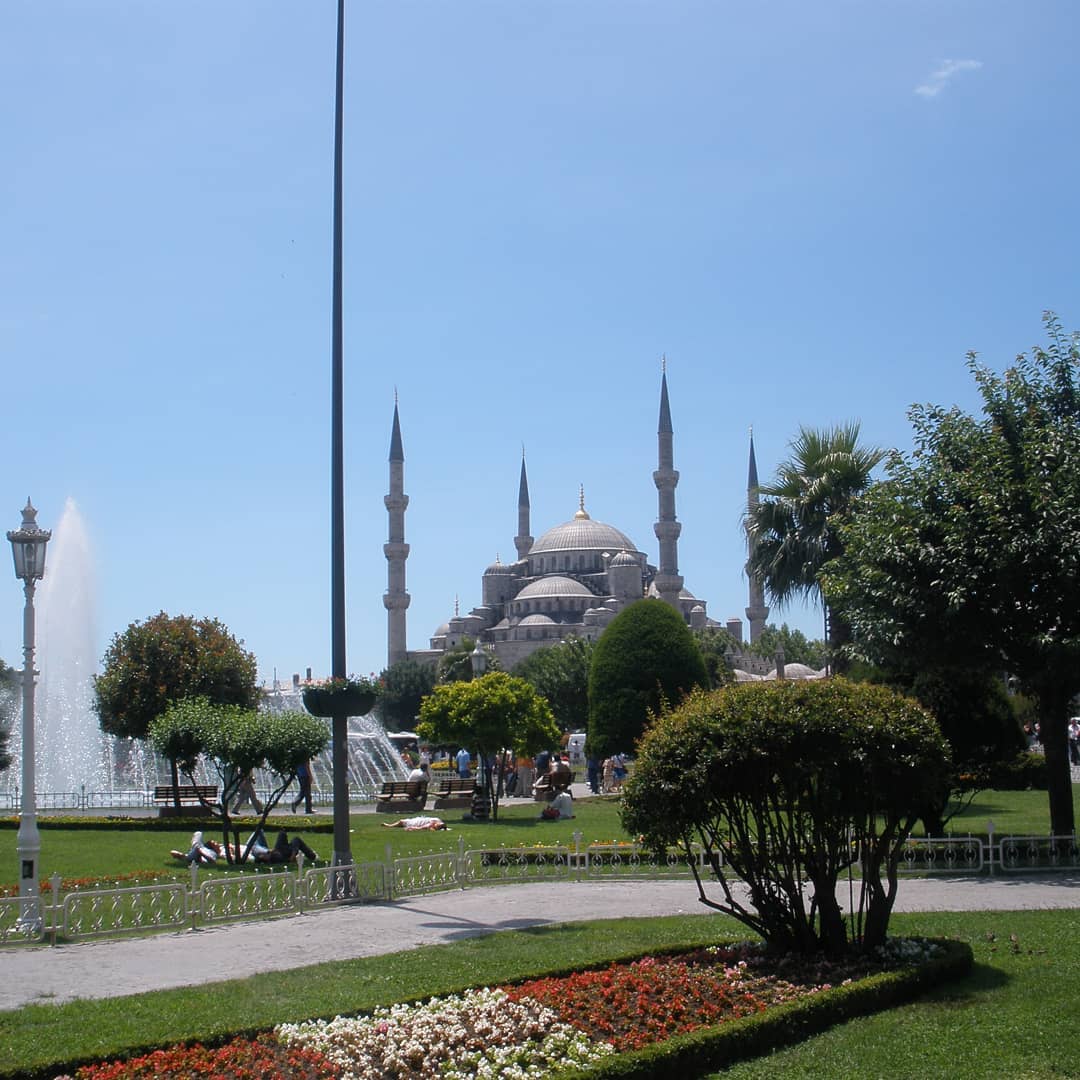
(549, 785)
(401, 795)
(192, 797)
(454, 793)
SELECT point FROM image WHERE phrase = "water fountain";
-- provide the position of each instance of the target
(77, 764)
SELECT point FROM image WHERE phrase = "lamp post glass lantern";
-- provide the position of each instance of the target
(28, 549)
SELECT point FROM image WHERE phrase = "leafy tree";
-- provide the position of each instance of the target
(787, 783)
(715, 644)
(798, 648)
(455, 665)
(978, 718)
(237, 741)
(404, 686)
(492, 714)
(166, 659)
(794, 527)
(968, 550)
(646, 656)
(561, 673)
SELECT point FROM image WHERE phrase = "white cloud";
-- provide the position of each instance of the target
(945, 72)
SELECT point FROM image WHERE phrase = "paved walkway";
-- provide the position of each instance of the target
(102, 969)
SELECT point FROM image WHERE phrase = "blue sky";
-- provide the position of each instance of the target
(814, 211)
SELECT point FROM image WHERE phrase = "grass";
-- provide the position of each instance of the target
(90, 853)
(93, 853)
(1014, 1016)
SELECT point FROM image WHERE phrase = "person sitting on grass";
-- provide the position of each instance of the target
(562, 806)
(414, 824)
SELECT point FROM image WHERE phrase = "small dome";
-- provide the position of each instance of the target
(498, 568)
(536, 620)
(624, 558)
(697, 607)
(553, 585)
(746, 676)
(686, 594)
(443, 630)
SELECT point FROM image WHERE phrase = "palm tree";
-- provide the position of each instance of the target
(792, 523)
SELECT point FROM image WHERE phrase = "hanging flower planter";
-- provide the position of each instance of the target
(339, 697)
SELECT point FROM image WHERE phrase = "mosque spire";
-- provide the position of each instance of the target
(756, 611)
(668, 581)
(523, 541)
(396, 598)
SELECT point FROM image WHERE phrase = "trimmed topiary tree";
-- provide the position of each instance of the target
(786, 785)
(646, 656)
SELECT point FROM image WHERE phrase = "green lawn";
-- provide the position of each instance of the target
(89, 853)
(1014, 1016)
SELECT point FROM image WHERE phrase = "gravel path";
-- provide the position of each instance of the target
(101, 969)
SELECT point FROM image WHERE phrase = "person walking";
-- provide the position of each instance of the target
(245, 793)
(463, 760)
(303, 778)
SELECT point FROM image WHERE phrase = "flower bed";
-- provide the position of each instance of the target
(584, 1021)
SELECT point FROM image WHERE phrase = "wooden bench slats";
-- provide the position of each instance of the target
(187, 792)
(402, 794)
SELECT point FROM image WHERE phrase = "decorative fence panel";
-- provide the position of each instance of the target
(225, 898)
(1036, 853)
(21, 920)
(106, 912)
(947, 855)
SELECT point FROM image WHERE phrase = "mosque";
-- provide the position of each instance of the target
(571, 582)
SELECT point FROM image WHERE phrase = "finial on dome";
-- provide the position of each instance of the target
(582, 514)
(457, 609)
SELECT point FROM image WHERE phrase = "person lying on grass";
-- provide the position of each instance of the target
(414, 824)
(207, 852)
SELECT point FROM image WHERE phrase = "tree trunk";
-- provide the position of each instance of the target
(1054, 732)
(175, 785)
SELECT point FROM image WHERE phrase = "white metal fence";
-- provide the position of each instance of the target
(95, 913)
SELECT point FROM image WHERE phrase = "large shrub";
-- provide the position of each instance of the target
(786, 785)
(647, 656)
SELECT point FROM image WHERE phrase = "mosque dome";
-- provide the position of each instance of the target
(536, 620)
(553, 585)
(498, 568)
(624, 558)
(582, 534)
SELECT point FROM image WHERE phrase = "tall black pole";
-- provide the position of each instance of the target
(342, 854)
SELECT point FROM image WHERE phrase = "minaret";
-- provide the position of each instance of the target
(523, 541)
(667, 581)
(396, 599)
(756, 611)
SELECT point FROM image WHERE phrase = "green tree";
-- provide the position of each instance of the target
(968, 550)
(237, 741)
(561, 674)
(798, 648)
(794, 527)
(492, 714)
(787, 783)
(404, 686)
(645, 657)
(165, 659)
(716, 646)
(455, 665)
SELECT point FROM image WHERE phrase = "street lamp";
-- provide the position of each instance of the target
(478, 659)
(28, 548)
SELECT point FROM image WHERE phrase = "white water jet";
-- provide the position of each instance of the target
(69, 745)
(73, 756)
